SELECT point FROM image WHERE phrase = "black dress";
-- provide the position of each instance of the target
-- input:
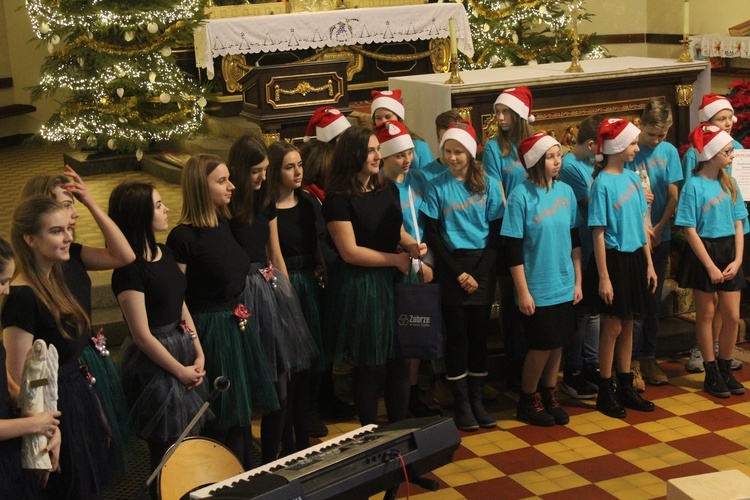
(83, 454)
(161, 407)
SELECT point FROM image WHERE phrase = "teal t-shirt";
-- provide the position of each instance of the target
(662, 164)
(464, 216)
(506, 169)
(543, 219)
(705, 206)
(578, 174)
(617, 203)
(433, 169)
(418, 183)
(422, 154)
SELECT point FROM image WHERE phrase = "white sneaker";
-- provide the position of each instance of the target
(695, 364)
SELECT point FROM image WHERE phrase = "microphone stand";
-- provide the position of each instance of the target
(221, 384)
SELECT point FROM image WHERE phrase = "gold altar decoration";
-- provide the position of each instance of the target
(440, 55)
(684, 95)
(685, 53)
(312, 5)
(464, 112)
(303, 88)
(234, 67)
(575, 66)
(269, 139)
(275, 90)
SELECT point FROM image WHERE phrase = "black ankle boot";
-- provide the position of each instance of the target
(606, 402)
(531, 410)
(552, 406)
(417, 408)
(476, 391)
(628, 395)
(464, 416)
(725, 369)
(714, 383)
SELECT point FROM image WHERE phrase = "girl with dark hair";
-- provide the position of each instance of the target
(215, 267)
(462, 209)
(545, 262)
(66, 188)
(163, 365)
(363, 216)
(275, 311)
(41, 306)
(17, 482)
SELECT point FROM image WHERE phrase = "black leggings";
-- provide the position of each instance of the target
(466, 338)
(396, 391)
(295, 435)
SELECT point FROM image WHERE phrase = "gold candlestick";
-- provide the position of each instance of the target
(685, 54)
(575, 66)
(455, 78)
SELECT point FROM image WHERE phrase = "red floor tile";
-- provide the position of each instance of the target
(515, 461)
(603, 468)
(706, 445)
(503, 487)
(688, 469)
(718, 419)
(536, 435)
(622, 439)
(665, 391)
(638, 417)
(588, 491)
(462, 454)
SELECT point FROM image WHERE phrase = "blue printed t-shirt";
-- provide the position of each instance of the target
(506, 169)
(464, 216)
(418, 183)
(578, 174)
(617, 203)
(705, 206)
(543, 220)
(662, 164)
(433, 169)
(690, 161)
(422, 154)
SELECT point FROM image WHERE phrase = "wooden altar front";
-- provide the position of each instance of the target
(377, 43)
(617, 87)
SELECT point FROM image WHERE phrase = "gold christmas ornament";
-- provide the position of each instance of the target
(152, 28)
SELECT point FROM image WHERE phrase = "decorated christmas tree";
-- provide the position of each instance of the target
(519, 32)
(111, 66)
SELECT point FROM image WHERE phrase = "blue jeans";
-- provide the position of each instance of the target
(583, 349)
(645, 329)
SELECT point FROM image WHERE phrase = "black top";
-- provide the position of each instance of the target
(5, 408)
(297, 231)
(77, 279)
(24, 310)
(254, 236)
(161, 282)
(376, 217)
(216, 264)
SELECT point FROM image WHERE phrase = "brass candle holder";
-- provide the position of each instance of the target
(685, 54)
(575, 66)
(455, 78)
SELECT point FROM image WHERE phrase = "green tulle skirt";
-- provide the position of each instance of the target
(308, 292)
(359, 314)
(108, 389)
(236, 354)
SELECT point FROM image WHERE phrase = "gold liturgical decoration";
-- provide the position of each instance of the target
(303, 88)
(683, 95)
(575, 66)
(455, 78)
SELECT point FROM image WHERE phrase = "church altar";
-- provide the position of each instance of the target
(618, 86)
(327, 29)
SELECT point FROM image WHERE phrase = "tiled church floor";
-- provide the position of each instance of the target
(594, 456)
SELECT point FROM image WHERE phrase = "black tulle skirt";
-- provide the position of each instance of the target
(15, 482)
(160, 406)
(84, 469)
(691, 273)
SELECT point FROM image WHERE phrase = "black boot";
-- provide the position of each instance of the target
(531, 410)
(628, 395)
(552, 406)
(725, 369)
(476, 391)
(464, 417)
(714, 383)
(417, 408)
(606, 402)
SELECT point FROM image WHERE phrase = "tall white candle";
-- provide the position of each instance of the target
(685, 19)
(454, 42)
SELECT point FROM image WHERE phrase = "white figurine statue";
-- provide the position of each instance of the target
(38, 394)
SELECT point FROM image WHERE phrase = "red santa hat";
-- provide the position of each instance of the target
(712, 104)
(535, 147)
(613, 136)
(326, 124)
(708, 140)
(394, 137)
(519, 100)
(388, 99)
(463, 132)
